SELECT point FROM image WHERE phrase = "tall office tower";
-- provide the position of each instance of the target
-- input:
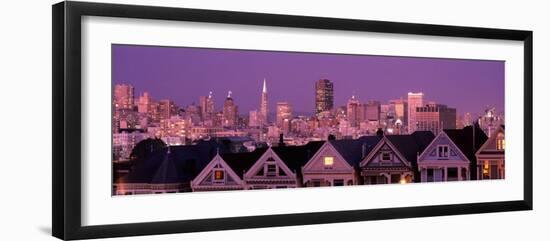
(414, 101)
(144, 103)
(124, 96)
(230, 111)
(373, 110)
(284, 115)
(400, 108)
(264, 111)
(206, 104)
(254, 118)
(355, 111)
(167, 109)
(435, 118)
(324, 95)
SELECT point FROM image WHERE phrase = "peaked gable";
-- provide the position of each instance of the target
(206, 176)
(490, 146)
(261, 169)
(317, 162)
(442, 139)
(379, 156)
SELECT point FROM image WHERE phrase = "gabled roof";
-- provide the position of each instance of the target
(295, 157)
(468, 139)
(483, 148)
(352, 150)
(411, 145)
(242, 162)
(174, 164)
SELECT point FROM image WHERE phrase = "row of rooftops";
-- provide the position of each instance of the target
(181, 164)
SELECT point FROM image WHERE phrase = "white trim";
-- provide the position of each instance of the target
(426, 150)
(210, 167)
(327, 144)
(251, 173)
(493, 137)
(380, 144)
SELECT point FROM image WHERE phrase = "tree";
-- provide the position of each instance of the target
(145, 148)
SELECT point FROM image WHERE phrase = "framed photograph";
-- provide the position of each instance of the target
(170, 120)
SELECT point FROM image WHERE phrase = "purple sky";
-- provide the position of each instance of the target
(184, 74)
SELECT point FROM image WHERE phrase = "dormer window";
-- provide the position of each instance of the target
(443, 151)
(328, 161)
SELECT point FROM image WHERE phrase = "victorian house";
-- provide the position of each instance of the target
(167, 170)
(268, 172)
(490, 157)
(336, 163)
(451, 155)
(217, 176)
(394, 158)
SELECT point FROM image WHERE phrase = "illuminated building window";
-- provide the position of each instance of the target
(500, 144)
(486, 170)
(328, 161)
(219, 175)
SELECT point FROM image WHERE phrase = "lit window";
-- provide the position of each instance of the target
(500, 144)
(486, 170)
(219, 175)
(329, 161)
(443, 151)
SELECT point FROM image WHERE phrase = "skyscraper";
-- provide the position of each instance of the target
(414, 101)
(373, 110)
(230, 111)
(324, 95)
(144, 103)
(356, 111)
(167, 109)
(264, 111)
(124, 96)
(206, 104)
(435, 118)
(254, 118)
(284, 115)
(400, 108)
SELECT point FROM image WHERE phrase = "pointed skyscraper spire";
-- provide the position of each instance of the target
(264, 89)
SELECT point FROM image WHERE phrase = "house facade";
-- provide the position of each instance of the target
(490, 157)
(394, 159)
(443, 160)
(217, 176)
(385, 164)
(328, 168)
(270, 172)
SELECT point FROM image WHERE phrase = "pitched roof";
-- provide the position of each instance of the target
(295, 157)
(352, 150)
(468, 139)
(411, 145)
(242, 162)
(174, 164)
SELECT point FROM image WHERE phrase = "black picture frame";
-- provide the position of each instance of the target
(67, 133)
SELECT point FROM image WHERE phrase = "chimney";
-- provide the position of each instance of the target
(281, 140)
(363, 150)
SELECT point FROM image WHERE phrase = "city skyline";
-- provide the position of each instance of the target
(166, 73)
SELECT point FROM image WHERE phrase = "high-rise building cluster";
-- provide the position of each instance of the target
(141, 117)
